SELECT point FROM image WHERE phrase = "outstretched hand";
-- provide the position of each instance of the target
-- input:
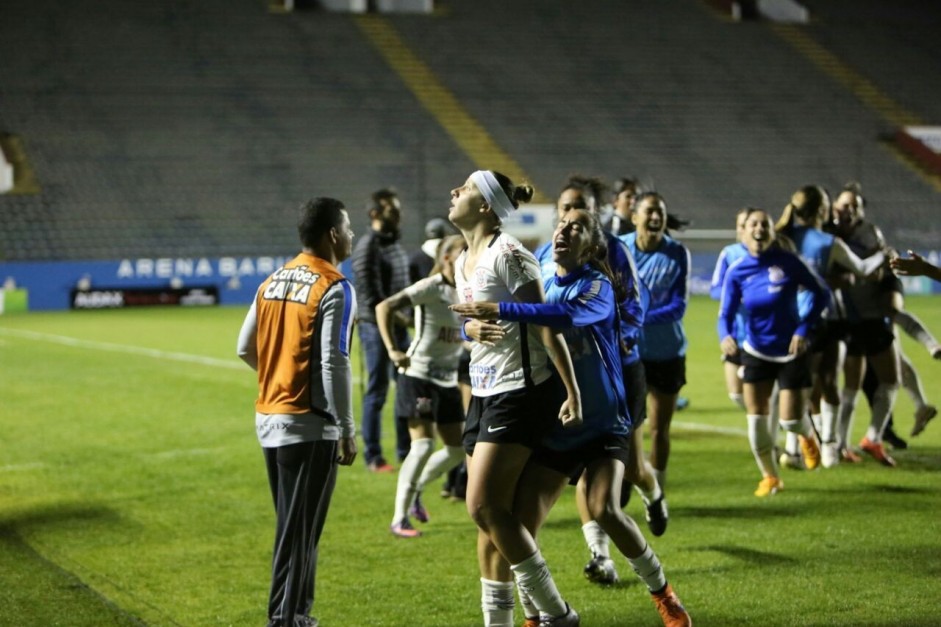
(479, 310)
(914, 265)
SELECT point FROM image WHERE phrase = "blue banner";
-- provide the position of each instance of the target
(49, 284)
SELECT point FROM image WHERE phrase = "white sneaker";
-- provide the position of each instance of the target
(601, 570)
(794, 462)
(829, 454)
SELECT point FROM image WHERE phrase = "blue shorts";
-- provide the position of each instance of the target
(573, 462)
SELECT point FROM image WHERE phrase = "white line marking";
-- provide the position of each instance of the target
(698, 426)
(18, 467)
(234, 363)
(122, 348)
(187, 452)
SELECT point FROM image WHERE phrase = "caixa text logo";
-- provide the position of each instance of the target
(98, 299)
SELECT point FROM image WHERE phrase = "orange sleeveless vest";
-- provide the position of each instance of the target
(286, 306)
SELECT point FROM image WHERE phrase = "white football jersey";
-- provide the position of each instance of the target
(436, 348)
(520, 357)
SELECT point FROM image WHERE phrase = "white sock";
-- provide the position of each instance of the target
(882, 403)
(912, 383)
(738, 399)
(791, 443)
(652, 495)
(529, 608)
(847, 407)
(440, 462)
(806, 426)
(762, 446)
(497, 602)
(661, 477)
(817, 422)
(648, 568)
(533, 577)
(828, 417)
(406, 489)
(596, 539)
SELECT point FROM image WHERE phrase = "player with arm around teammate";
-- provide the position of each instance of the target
(586, 193)
(581, 301)
(765, 283)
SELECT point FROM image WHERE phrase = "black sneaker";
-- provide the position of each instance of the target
(657, 516)
(890, 437)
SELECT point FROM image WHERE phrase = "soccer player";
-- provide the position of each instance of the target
(872, 340)
(581, 192)
(296, 335)
(729, 255)
(516, 398)
(663, 266)
(824, 253)
(765, 283)
(582, 300)
(427, 385)
(623, 195)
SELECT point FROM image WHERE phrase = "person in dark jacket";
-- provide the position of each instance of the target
(380, 269)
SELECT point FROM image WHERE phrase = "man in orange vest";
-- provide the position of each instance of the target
(297, 337)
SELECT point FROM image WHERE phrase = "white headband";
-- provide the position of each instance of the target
(487, 183)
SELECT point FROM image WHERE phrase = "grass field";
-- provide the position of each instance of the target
(132, 491)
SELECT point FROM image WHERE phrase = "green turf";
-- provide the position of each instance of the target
(132, 491)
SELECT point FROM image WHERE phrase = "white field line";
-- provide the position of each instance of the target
(698, 426)
(122, 348)
(234, 363)
(20, 467)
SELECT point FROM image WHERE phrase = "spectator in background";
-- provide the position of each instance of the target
(297, 337)
(422, 260)
(380, 269)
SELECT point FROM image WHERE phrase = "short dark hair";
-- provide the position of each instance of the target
(626, 182)
(587, 186)
(317, 217)
(376, 198)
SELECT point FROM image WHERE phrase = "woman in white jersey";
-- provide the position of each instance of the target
(427, 391)
(516, 398)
